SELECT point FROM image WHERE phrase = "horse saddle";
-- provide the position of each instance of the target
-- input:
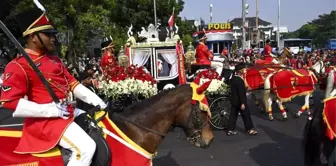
(103, 153)
(102, 156)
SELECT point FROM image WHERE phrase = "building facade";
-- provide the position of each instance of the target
(265, 28)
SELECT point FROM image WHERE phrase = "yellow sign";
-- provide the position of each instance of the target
(219, 26)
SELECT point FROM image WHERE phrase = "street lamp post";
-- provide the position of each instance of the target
(211, 13)
(257, 23)
(278, 31)
(243, 22)
(155, 18)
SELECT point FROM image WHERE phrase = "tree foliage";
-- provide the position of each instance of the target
(320, 29)
(82, 24)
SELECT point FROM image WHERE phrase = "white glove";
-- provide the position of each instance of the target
(63, 111)
(102, 105)
(27, 108)
(78, 112)
(86, 95)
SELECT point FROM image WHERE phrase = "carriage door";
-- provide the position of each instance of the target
(167, 64)
(142, 57)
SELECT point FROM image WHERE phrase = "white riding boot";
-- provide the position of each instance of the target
(219, 70)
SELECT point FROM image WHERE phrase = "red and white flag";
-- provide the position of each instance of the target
(171, 21)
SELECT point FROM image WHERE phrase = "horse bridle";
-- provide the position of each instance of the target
(192, 137)
(195, 119)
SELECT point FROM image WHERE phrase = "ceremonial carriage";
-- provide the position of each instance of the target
(166, 62)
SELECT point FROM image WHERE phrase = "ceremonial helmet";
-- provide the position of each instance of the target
(107, 43)
(202, 36)
(34, 20)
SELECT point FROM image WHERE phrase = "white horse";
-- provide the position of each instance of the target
(320, 68)
(268, 96)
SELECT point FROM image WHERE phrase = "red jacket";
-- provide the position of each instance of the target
(293, 63)
(203, 54)
(267, 53)
(39, 134)
(107, 60)
(225, 52)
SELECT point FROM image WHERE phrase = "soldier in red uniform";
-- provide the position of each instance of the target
(293, 63)
(108, 59)
(204, 55)
(46, 124)
(268, 52)
(225, 52)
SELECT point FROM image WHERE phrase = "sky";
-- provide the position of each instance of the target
(293, 13)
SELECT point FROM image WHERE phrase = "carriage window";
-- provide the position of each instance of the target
(221, 46)
(167, 63)
(215, 48)
(140, 57)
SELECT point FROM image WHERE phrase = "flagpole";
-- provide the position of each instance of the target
(155, 18)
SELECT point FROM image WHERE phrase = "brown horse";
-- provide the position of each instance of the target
(141, 128)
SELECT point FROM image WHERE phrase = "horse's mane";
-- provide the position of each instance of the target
(150, 102)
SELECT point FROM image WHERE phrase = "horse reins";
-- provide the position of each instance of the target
(140, 126)
(192, 137)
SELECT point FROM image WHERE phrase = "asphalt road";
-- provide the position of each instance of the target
(277, 144)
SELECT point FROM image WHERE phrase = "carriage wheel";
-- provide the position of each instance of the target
(220, 109)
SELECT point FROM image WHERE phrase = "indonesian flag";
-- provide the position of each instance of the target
(171, 20)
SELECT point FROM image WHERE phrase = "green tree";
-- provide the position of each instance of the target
(320, 29)
(81, 22)
(140, 13)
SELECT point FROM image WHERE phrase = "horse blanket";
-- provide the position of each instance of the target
(329, 117)
(255, 77)
(287, 84)
(10, 139)
(263, 62)
(125, 152)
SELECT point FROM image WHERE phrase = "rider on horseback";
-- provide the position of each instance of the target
(268, 53)
(47, 123)
(108, 58)
(204, 56)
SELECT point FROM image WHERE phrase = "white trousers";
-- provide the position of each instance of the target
(218, 66)
(80, 143)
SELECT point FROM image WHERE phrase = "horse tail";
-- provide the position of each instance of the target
(313, 137)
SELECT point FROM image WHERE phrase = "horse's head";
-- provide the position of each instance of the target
(318, 68)
(286, 54)
(172, 107)
(193, 120)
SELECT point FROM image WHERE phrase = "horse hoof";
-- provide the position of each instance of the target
(271, 118)
(284, 118)
(296, 116)
(310, 118)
